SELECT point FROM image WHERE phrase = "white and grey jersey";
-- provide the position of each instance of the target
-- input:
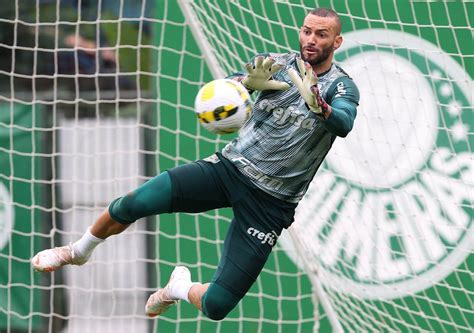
(283, 144)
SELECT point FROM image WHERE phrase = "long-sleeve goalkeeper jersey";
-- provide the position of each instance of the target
(283, 143)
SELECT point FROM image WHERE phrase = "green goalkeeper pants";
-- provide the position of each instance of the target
(214, 183)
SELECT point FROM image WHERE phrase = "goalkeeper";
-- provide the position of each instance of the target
(304, 102)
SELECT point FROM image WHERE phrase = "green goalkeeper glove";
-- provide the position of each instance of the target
(260, 73)
(308, 88)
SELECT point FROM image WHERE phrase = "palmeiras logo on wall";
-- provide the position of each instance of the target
(391, 212)
(6, 216)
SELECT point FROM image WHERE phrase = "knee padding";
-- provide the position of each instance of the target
(125, 209)
(153, 197)
(217, 302)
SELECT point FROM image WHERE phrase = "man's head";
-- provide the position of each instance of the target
(320, 35)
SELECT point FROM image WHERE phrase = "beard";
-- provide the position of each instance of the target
(318, 58)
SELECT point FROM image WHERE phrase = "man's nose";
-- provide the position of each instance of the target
(312, 39)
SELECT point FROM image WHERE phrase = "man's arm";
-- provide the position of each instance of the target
(339, 108)
(343, 97)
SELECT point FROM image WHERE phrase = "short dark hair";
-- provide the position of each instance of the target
(327, 12)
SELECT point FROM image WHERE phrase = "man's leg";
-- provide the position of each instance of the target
(241, 263)
(195, 294)
(153, 197)
(239, 267)
(106, 226)
(212, 299)
(187, 188)
(192, 292)
(179, 287)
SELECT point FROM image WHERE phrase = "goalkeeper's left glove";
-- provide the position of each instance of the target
(259, 75)
(308, 88)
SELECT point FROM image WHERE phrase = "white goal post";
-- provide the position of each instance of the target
(98, 98)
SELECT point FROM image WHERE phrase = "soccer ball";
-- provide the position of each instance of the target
(223, 106)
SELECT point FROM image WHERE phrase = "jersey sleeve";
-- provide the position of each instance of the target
(343, 96)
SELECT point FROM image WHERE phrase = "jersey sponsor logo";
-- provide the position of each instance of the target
(250, 170)
(269, 238)
(396, 217)
(340, 89)
(6, 216)
(289, 115)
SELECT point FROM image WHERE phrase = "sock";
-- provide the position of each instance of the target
(86, 244)
(180, 289)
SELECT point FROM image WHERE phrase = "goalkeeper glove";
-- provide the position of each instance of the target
(260, 73)
(308, 88)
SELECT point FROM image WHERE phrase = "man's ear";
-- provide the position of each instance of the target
(337, 42)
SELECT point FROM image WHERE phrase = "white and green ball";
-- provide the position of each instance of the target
(223, 106)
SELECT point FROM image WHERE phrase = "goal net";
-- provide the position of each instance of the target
(96, 98)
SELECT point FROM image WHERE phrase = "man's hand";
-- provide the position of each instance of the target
(259, 75)
(308, 88)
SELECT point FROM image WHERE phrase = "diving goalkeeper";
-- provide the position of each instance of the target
(304, 102)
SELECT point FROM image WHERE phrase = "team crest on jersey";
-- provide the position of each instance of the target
(6, 216)
(390, 213)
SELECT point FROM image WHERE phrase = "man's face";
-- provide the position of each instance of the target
(319, 37)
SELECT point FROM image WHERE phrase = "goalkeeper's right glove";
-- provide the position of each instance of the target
(259, 75)
(308, 88)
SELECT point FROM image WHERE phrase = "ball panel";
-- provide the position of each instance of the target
(208, 91)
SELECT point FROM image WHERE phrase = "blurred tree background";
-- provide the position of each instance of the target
(74, 45)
